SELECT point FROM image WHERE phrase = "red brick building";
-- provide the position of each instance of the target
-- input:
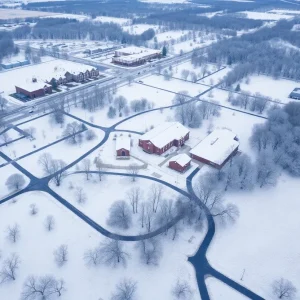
(34, 88)
(180, 162)
(217, 148)
(123, 147)
(163, 137)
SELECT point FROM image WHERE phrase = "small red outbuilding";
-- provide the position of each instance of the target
(180, 162)
(123, 147)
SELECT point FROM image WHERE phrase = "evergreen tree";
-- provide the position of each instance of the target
(164, 51)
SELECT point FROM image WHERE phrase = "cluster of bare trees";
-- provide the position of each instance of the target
(192, 113)
(73, 132)
(9, 268)
(277, 142)
(43, 287)
(55, 167)
(109, 252)
(193, 76)
(257, 103)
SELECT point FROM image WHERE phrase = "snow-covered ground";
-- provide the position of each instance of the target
(267, 86)
(69, 16)
(79, 237)
(120, 21)
(45, 132)
(165, 1)
(262, 242)
(6, 14)
(219, 291)
(265, 16)
(139, 28)
(175, 85)
(99, 201)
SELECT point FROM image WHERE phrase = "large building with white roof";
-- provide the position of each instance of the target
(217, 148)
(163, 137)
(34, 88)
(134, 56)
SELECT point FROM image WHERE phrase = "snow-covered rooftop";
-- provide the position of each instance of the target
(217, 146)
(30, 85)
(123, 142)
(137, 50)
(182, 159)
(164, 133)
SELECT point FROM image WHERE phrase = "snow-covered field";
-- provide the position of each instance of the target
(6, 14)
(262, 242)
(175, 85)
(265, 16)
(79, 237)
(120, 21)
(139, 28)
(267, 86)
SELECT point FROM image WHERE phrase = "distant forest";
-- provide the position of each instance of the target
(271, 50)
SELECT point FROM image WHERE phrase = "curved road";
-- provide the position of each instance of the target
(199, 260)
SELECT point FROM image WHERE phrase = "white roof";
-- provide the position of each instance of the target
(164, 133)
(31, 86)
(137, 50)
(182, 159)
(217, 146)
(123, 142)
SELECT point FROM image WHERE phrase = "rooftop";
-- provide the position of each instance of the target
(182, 159)
(123, 142)
(165, 133)
(217, 146)
(31, 86)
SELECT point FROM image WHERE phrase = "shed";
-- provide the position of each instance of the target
(123, 147)
(180, 162)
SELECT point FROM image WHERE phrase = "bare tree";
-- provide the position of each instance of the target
(43, 287)
(149, 217)
(3, 103)
(182, 290)
(58, 171)
(181, 97)
(125, 290)
(267, 172)
(86, 166)
(9, 268)
(156, 194)
(61, 255)
(193, 76)
(99, 166)
(49, 223)
(134, 195)
(120, 103)
(92, 257)
(185, 74)
(90, 135)
(33, 209)
(80, 195)
(119, 215)
(31, 132)
(15, 182)
(142, 212)
(130, 79)
(45, 160)
(71, 132)
(284, 289)
(150, 251)
(112, 253)
(133, 171)
(5, 138)
(13, 233)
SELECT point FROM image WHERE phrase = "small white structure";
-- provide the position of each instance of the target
(123, 147)
(217, 148)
